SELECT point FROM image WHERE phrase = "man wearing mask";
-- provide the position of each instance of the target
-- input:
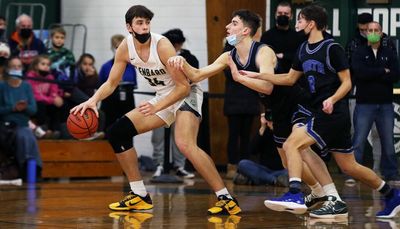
(359, 40)
(360, 37)
(375, 68)
(23, 42)
(283, 39)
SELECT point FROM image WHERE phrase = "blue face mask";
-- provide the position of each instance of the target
(15, 73)
(232, 39)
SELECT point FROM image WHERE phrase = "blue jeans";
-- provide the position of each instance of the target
(383, 116)
(259, 174)
(27, 147)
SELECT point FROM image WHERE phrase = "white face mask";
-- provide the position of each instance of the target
(15, 73)
(232, 39)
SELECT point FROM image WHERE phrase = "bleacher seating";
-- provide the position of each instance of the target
(70, 158)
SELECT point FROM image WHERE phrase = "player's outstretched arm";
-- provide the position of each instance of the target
(107, 88)
(266, 62)
(196, 75)
(287, 79)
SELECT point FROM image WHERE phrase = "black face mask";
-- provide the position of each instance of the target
(2, 32)
(142, 38)
(25, 33)
(3, 61)
(43, 73)
(282, 20)
(303, 34)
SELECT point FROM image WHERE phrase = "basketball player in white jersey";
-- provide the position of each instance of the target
(176, 100)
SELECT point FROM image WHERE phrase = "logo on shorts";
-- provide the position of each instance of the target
(396, 129)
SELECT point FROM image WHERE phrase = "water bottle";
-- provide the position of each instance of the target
(31, 171)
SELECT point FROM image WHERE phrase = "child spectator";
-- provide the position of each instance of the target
(45, 90)
(62, 59)
(87, 79)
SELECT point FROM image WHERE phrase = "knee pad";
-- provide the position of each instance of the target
(120, 134)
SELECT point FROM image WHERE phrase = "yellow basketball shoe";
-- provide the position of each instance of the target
(133, 202)
(225, 206)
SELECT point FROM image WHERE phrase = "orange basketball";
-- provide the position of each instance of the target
(81, 127)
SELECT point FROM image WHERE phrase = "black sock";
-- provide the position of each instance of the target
(387, 191)
(294, 187)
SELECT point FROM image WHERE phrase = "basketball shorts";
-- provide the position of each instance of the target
(281, 132)
(331, 132)
(194, 100)
(283, 127)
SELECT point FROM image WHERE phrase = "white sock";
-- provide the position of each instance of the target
(295, 179)
(138, 188)
(380, 186)
(224, 192)
(317, 190)
(330, 190)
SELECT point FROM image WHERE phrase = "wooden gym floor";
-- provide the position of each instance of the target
(83, 204)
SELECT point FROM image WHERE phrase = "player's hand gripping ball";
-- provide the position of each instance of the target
(81, 127)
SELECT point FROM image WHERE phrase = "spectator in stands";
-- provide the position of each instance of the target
(63, 69)
(375, 69)
(62, 59)
(23, 42)
(175, 36)
(122, 100)
(269, 170)
(86, 78)
(282, 38)
(17, 105)
(45, 91)
(87, 81)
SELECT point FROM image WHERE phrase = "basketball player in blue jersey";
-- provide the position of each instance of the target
(327, 74)
(254, 56)
(175, 100)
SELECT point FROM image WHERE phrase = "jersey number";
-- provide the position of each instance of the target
(311, 83)
(154, 82)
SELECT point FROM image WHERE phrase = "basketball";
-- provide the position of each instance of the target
(81, 127)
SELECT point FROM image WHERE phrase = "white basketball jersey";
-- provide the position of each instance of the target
(153, 70)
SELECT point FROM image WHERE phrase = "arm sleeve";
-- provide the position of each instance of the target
(338, 58)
